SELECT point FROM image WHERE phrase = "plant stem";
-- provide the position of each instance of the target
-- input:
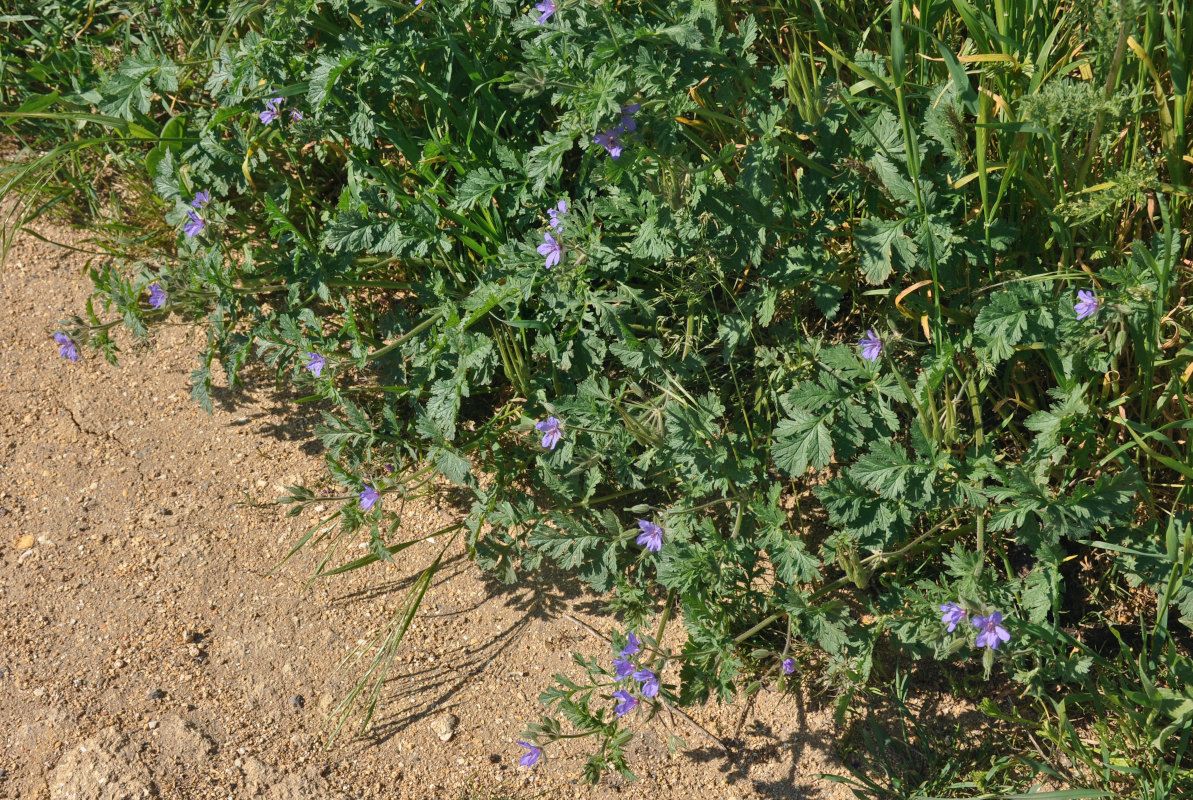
(428, 322)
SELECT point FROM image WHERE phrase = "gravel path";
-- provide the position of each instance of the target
(147, 651)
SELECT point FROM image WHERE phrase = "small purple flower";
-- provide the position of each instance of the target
(295, 115)
(991, 630)
(194, 226)
(627, 117)
(628, 702)
(623, 668)
(551, 249)
(368, 497)
(201, 199)
(631, 646)
(651, 537)
(650, 683)
(547, 8)
(611, 141)
(953, 614)
(315, 364)
(67, 349)
(273, 110)
(551, 433)
(157, 296)
(1087, 304)
(557, 214)
(871, 346)
(531, 758)
(788, 666)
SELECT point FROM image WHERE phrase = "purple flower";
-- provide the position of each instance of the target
(650, 683)
(1087, 304)
(194, 226)
(368, 497)
(557, 214)
(531, 758)
(201, 199)
(157, 296)
(651, 537)
(551, 432)
(953, 614)
(295, 115)
(315, 364)
(991, 630)
(547, 7)
(631, 646)
(611, 141)
(871, 346)
(628, 702)
(623, 668)
(67, 349)
(788, 666)
(627, 117)
(551, 249)
(272, 110)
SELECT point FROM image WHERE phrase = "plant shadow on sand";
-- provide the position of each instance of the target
(756, 747)
(431, 689)
(427, 689)
(418, 689)
(270, 409)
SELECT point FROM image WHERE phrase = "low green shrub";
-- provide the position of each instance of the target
(831, 333)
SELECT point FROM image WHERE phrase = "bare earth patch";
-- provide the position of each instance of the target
(145, 651)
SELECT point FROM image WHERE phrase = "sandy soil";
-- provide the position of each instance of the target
(146, 651)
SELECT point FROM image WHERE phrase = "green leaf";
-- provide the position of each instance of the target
(545, 162)
(877, 241)
(1012, 317)
(478, 187)
(452, 466)
(442, 407)
(802, 441)
(1040, 594)
(322, 80)
(201, 388)
(888, 471)
(652, 242)
(131, 87)
(898, 52)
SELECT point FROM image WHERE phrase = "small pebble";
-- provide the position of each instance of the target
(155, 694)
(297, 701)
(152, 725)
(444, 726)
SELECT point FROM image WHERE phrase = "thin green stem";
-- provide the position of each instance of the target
(396, 343)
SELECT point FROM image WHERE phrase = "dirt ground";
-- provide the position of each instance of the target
(147, 651)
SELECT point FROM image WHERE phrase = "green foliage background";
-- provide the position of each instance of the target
(947, 175)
